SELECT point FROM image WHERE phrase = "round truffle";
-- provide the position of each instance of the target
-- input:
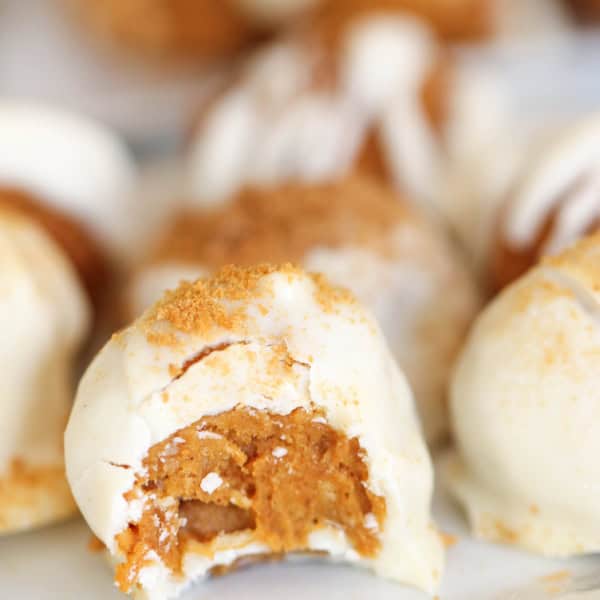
(525, 408)
(252, 414)
(360, 235)
(44, 318)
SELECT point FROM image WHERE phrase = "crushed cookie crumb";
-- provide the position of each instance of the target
(448, 539)
(284, 223)
(206, 305)
(200, 306)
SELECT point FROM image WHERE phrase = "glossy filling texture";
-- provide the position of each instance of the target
(276, 477)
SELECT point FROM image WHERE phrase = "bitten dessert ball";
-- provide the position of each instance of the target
(525, 405)
(254, 414)
(187, 29)
(44, 318)
(555, 201)
(360, 236)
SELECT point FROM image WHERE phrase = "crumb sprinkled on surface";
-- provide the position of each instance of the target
(284, 223)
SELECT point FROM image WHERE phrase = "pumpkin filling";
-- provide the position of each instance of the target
(273, 478)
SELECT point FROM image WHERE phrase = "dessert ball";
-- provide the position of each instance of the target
(187, 29)
(525, 406)
(45, 317)
(359, 235)
(374, 97)
(554, 201)
(255, 414)
(57, 174)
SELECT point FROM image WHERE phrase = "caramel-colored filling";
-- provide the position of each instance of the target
(276, 477)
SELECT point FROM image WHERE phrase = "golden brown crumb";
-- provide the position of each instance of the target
(95, 545)
(556, 576)
(278, 478)
(329, 296)
(200, 307)
(554, 583)
(581, 256)
(282, 224)
(33, 495)
(448, 539)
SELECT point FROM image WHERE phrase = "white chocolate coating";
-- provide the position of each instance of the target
(525, 404)
(45, 316)
(338, 355)
(276, 124)
(565, 180)
(75, 164)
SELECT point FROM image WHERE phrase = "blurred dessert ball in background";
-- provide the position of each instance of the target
(525, 410)
(187, 29)
(539, 197)
(360, 235)
(63, 185)
(45, 317)
(209, 29)
(375, 94)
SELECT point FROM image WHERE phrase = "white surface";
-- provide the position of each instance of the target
(54, 564)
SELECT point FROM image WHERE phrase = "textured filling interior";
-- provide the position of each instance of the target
(275, 477)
